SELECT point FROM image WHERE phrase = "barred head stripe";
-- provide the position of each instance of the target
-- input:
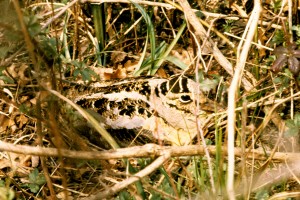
(174, 85)
(177, 84)
(164, 88)
(183, 85)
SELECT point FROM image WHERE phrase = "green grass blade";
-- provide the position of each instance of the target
(99, 22)
(150, 31)
(161, 59)
(138, 69)
(176, 61)
(138, 184)
(147, 63)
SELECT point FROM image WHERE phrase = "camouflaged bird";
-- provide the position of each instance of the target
(165, 107)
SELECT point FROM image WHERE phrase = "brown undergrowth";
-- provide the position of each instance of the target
(48, 153)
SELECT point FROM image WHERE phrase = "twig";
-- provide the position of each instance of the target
(63, 10)
(256, 44)
(203, 22)
(200, 33)
(119, 186)
(148, 150)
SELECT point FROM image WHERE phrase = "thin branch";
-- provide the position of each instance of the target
(123, 184)
(200, 33)
(148, 150)
(61, 12)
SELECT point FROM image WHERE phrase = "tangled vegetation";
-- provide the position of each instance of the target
(244, 55)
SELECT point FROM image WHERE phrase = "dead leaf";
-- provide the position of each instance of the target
(22, 120)
(35, 160)
(16, 163)
(5, 123)
(130, 66)
(184, 55)
(118, 57)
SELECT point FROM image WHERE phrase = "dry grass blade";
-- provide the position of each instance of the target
(90, 119)
(253, 21)
(234, 102)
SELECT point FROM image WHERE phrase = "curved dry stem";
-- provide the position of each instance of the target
(241, 60)
(200, 33)
(123, 184)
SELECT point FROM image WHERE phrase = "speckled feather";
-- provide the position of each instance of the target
(166, 107)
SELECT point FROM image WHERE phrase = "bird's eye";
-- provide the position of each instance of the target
(185, 99)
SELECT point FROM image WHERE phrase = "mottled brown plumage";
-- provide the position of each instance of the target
(165, 107)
